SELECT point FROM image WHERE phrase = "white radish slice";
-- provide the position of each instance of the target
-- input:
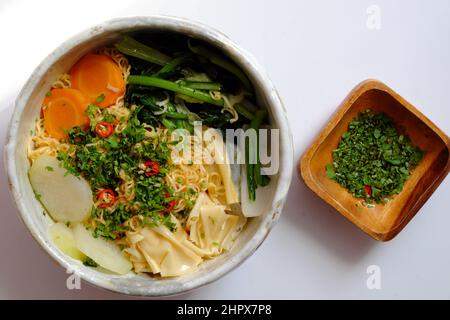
(66, 198)
(63, 238)
(263, 197)
(105, 253)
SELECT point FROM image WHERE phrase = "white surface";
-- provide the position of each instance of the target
(315, 52)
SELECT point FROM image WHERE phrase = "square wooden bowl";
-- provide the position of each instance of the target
(382, 222)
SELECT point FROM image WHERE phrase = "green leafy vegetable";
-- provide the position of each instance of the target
(195, 81)
(201, 85)
(254, 177)
(216, 59)
(90, 263)
(171, 66)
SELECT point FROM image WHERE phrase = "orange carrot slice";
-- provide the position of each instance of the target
(63, 110)
(99, 78)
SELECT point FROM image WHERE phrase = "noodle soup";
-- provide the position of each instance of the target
(120, 162)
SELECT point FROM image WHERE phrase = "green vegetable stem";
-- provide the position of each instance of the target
(175, 87)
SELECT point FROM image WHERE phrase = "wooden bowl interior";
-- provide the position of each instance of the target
(382, 221)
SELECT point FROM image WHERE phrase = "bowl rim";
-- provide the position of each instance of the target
(247, 62)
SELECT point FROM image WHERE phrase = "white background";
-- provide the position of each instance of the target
(315, 52)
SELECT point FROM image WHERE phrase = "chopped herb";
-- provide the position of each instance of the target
(373, 161)
(101, 161)
(108, 117)
(91, 110)
(330, 171)
(48, 94)
(49, 168)
(100, 98)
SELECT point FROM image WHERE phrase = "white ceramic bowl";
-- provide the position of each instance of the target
(27, 108)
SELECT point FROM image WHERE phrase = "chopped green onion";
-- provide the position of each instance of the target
(171, 66)
(175, 87)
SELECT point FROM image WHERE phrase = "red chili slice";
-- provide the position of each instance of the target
(151, 168)
(108, 198)
(368, 190)
(170, 206)
(104, 129)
